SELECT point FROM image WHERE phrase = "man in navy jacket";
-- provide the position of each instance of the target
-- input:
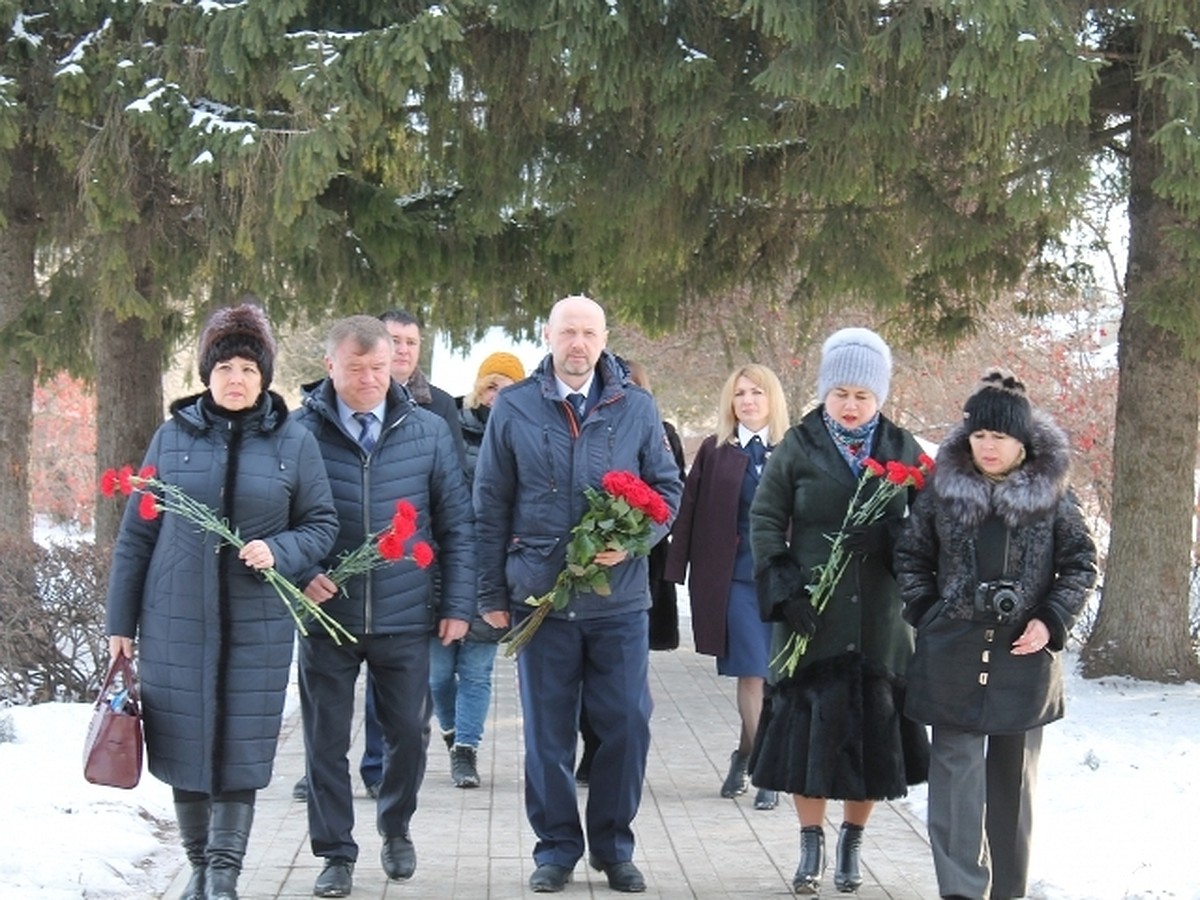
(379, 447)
(548, 437)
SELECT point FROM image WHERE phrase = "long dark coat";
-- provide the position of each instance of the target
(1051, 556)
(835, 728)
(214, 639)
(664, 611)
(705, 535)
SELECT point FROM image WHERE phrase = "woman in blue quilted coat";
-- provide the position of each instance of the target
(214, 640)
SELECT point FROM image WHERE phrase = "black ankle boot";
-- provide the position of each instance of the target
(846, 876)
(193, 816)
(807, 879)
(227, 837)
(738, 778)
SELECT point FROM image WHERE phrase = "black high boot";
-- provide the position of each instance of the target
(227, 837)
(846, 876)
(807, 879)
(193, 816)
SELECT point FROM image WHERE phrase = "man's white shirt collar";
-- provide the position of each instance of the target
(346, 414)
(564, 389)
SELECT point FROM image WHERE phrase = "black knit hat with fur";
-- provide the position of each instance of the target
(237, 331)
(999, 404)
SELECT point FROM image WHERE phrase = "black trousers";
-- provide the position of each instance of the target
(399, 665)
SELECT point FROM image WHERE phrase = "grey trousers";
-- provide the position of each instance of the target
(981, 811)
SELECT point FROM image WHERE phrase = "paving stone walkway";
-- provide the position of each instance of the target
(476, 844)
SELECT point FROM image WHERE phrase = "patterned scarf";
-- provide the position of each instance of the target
(853, 443)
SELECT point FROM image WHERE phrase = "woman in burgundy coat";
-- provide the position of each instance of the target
(712, 535)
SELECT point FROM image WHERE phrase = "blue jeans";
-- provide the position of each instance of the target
(460, 680)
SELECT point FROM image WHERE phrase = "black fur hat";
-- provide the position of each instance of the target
(237, 331)
(999, 404)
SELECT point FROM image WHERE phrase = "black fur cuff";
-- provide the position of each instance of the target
(779, 580)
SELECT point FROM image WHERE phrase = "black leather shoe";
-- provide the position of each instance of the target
(549, 878)
(300, 790)
(399, 857)
(373, 790)
(335, 879)
(622, 876)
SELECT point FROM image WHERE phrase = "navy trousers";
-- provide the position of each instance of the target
(328, 671)
(605, 663)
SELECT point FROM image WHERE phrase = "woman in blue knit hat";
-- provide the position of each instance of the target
(834, 728)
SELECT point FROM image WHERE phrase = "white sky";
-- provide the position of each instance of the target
(455, 374)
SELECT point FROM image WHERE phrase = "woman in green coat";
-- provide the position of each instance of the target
(834, 728)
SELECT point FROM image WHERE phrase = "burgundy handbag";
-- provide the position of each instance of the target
(112, 753)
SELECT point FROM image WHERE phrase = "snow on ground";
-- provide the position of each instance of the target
(1118, 804)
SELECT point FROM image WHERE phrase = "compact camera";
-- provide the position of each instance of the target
(998, 601)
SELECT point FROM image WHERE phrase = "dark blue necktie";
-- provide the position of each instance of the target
(579, 404)
(758, 452)
(365, 439)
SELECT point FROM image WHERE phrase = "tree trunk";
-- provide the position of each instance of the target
(18, 248)
(129, 400)
(1142, 627)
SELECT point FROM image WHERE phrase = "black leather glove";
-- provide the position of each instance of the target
(868, 540)
(799, 614)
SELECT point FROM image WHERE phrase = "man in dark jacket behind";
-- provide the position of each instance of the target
(406, 351)
(379, 447)
(549, 437)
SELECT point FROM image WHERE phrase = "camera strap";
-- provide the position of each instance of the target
(991, 549)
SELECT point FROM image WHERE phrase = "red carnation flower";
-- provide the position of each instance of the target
(109, 483)
(148, 507)
(391, 546)
(125, 479)
(403, 527)
(918, 478)
(422, 554)
(406, 511)
(897, 472)
(874, 466)
(925, 462)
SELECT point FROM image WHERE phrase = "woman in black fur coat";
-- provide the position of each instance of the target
(834, 730)
(994, 567)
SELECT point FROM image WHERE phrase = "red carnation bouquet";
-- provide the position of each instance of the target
(894, 477)
(158, 496)
(384, 547)
(617, 518)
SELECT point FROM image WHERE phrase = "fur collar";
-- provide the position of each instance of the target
(1028, 493)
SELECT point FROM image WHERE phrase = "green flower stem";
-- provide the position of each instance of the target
(300, 605)
(829, 574)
